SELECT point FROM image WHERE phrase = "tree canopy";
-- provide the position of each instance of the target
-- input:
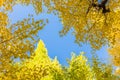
(94, 21)
(41, 67)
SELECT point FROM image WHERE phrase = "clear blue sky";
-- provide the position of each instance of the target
(56, 45)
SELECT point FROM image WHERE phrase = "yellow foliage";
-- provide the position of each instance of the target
(40, 67)
(95, 26)
(1, 2)
(117, 72)
(17, 39)
(78, 68)
(114, 50)
(39, 56)
(90, 24)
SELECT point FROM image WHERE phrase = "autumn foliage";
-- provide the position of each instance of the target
(41, 67)
(94, 21)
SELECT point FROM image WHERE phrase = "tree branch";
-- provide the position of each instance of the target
(102, 6)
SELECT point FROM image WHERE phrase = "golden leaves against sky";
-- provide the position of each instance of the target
(40, 66)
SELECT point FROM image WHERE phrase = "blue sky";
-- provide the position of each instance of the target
(56, 45)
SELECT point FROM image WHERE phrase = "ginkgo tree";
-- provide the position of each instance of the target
(41, 67)
(18, 39)
(93, 21)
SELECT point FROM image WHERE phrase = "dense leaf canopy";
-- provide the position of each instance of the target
(93, 22)
(40, 67)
